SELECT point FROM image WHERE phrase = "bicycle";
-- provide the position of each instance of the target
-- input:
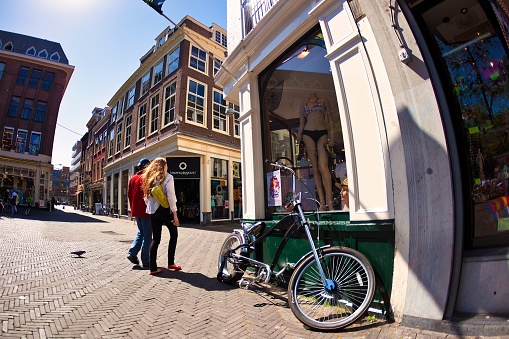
(7, 208)
(105, 210)
(330, 286)
(29, 209)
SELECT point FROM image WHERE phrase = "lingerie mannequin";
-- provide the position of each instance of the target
(314, 130)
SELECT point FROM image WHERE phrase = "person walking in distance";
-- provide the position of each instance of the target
(138, 211)
(157, 174)
(14, 197)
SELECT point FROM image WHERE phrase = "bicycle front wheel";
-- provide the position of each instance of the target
(351, 287)
(229, 270)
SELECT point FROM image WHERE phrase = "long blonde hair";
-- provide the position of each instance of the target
(154, 171)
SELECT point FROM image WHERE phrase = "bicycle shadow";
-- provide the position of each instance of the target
(197, 280)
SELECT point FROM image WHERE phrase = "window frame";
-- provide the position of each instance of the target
(172, 61)
(131, 96)
(204, 98)
(38, 112)
(141, 133)
(30, 109)
(127, 130)
(145, 83)
(219, 112)
(199, 61)
(154, 114)
(170, 99)
(158, 75)
(22, 75)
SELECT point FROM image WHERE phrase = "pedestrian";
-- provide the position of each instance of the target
(157, 174)
(14, 197)
(138, 212)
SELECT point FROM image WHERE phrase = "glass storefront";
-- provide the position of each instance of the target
(469, 45)
(302, 127)
(219, 189)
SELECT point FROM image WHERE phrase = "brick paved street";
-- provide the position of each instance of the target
(48, 293)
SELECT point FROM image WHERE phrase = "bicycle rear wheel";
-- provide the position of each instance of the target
(353, 287)
(229, 270)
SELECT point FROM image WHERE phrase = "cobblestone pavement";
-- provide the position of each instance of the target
(45, 292)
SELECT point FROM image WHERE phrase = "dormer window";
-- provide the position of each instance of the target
(8, 46)
(55, 57)
(43, 54)
(31, 51)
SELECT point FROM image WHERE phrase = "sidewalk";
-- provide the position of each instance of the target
(48, 293)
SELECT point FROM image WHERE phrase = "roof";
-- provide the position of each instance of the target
(22, 43)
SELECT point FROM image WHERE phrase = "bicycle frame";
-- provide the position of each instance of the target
(298, 220)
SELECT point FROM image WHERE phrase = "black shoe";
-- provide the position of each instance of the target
(133, 259)
(146, 265)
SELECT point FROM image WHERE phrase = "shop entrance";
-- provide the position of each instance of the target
(188, 200)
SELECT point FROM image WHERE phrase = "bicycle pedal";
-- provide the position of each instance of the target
(245, 283)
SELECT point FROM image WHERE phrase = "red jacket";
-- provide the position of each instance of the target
(135, 195)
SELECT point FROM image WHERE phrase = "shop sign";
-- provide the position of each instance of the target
(184, 168)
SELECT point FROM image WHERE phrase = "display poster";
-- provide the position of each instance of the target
(274, 188)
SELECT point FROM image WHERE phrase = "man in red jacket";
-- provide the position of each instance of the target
(144, 236)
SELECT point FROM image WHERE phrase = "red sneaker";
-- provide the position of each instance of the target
(174, 267)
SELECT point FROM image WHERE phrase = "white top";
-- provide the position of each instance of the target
(169, 189)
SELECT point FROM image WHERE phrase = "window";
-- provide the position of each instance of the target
(221, 39)
(21, 141)
(47, 82)
(217, 65)
(173, 60)
(236, 116)
(161, 41)
(35, 78)
(130, 96)
(198, 59)
(35, 143)
(219, 188)
(237, 189)
(142, 121)
(28, 107)
(154, 113)
(121, 107)
(55, 57)
(110, 146)
(2, 68)
(43, 54)
(195, 102)
(119, 137)
(114, 113)
(169, 103)
(128, 121)
(31, 51)
(7, 138)
(14, 106)
(219, 112)
(158, 73)
(8, 46)
(23, 75)
(145, 83)
(40, 111)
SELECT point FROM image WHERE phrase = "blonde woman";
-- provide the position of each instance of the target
(157, 173)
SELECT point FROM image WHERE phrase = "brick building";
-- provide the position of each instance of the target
(34, 74)
(171, 107)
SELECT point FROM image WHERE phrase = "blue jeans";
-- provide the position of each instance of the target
(143, 239)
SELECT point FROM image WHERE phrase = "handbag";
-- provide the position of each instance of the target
(158, 194)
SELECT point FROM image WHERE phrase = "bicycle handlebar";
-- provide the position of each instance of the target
(278, 165)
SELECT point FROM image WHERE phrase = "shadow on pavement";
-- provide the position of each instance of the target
(197, 280)
(54, 215)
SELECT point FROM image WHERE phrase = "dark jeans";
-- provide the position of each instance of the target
(160, 217)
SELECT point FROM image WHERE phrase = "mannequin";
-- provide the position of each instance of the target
(314, 130)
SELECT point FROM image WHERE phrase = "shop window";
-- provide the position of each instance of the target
(7, 138)
(302, 128)
(472, 53)
(237, 190)
(219, 188)
(21, 140)
(35, 143)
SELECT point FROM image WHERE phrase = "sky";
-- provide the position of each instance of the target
(104, 40)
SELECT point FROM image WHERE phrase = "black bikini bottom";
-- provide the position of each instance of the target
(315, 135)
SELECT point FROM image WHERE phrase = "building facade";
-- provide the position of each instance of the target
(34, 74)
(60, 180)
(170, 107)
(416, 100)
(75, 186)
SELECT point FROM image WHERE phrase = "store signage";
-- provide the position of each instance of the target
(184, 168)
